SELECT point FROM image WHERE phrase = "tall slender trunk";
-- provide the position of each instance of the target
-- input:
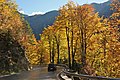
(58, 49)
(50, 49)
(83, 50)
(68, 44)
(72, 49)
(85, 47)
(53, 52)
(73, 55)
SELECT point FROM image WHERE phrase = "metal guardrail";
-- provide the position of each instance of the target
(74, 76)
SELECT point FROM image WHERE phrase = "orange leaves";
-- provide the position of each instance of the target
(115, 5)
(10, 19)
(88, 36)
(114, 20)
(88, 7)
(2, 1)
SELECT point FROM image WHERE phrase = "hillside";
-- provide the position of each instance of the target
(103, 8)
(38, 22)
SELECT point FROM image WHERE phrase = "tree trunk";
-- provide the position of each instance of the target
(58, 49)
(50, 49)
(83, 51)
(53, 52)
(72, 50)
(67, 34)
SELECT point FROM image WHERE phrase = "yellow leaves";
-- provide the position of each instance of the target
(32, 54)
(116, 64)
(11, 21)
(88, 7)
(116, 5)
(102, 45)
(103, 61)
(36, 51)
(9, 16)
(2, 1)
(66, 14)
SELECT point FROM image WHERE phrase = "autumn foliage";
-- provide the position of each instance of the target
(13, 31)
(80, 38)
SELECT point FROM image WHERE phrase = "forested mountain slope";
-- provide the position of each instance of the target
(38, 22)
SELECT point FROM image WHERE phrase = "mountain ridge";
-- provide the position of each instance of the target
(103, 8)
(40, 21)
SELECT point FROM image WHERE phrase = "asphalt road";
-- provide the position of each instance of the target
(36, 74)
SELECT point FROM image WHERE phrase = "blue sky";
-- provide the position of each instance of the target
(32, 7)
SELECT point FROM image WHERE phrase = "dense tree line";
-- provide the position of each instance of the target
(13, 31)
(80, 38)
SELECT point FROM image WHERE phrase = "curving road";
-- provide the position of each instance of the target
(36, 74)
